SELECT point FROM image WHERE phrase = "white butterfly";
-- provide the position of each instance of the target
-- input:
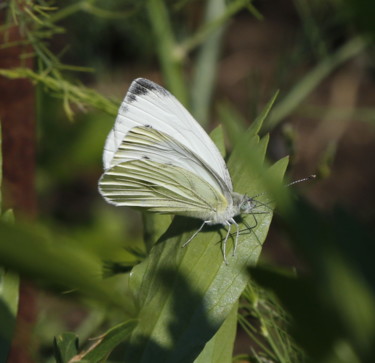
(157, 157)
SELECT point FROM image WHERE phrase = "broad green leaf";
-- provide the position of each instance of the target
(154, 226)
(185, 294)
(220, 348)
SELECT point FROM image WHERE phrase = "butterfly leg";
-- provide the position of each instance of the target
(224, 245)
(232, 221)
(192, 237)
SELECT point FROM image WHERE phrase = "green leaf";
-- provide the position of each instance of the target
(1, 167)
(220, 348)
(69, 92)
(336, 298)
(37, 254)
(234, 123)
(9, 297)
(217, 136)
(184, 295)
(154, 226)
(258, 122)
(206, 62)
(311, 80)
(108, 341)
(65, 347)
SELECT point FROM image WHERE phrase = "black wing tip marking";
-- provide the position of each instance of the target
(141, 87)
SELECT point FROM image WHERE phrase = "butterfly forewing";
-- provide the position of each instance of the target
(149, 105)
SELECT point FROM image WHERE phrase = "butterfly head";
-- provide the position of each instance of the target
(247, 205)
(242, 204)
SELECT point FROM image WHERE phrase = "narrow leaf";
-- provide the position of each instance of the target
(65, 347)
(9, 298)
(36, 254)
(234, 123)
(217, 136)
(258, 122)
(107, 342)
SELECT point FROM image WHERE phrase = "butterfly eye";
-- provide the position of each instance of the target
(247, 205)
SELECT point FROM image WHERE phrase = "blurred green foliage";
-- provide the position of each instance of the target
(174, 304)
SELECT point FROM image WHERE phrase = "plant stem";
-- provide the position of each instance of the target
(206, 64)
(170, 60)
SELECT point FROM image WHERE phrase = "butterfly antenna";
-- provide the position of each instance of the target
(261, 204)
(313, 176)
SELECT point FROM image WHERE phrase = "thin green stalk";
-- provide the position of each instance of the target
(363, 114)
(303, 88)
(253, 10)
(33, 16)
(312, 28)
(201, 35)
(170, 60)
(254, 336)
(70, 93)
(88, 7)
(277, 344)
(206, 64)
(273, 343)
(67, 11)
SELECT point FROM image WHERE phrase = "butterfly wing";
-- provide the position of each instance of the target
(149, 105)
(154, 171)
(161, 188)
(148, 143)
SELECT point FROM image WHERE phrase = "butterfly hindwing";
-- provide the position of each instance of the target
(146, 142)
(161, 188)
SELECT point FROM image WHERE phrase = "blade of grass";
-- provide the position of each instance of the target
(205, 65)
(307, 84)
(199, 36)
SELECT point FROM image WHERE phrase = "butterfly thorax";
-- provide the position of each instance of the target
(241, 204)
